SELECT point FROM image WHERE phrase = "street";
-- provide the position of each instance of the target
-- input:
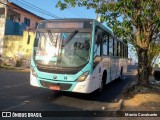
(17, 95)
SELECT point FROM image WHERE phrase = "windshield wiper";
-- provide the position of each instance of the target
(54, 43)
(69, 38)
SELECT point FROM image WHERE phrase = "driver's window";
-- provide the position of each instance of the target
(97, 43)
(96, 50)
(97, 46)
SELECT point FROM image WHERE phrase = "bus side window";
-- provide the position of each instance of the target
(105, 45)
(115, 47)
(127, 51)
(97, 54)
(124, 51)
(121, 49)
(110, 45)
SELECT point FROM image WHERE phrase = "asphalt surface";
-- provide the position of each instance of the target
(16, 94)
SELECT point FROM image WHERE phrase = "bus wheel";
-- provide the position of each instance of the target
(103, 82)
(121, 74)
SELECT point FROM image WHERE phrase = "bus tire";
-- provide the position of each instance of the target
(121, 74)
(103, 83)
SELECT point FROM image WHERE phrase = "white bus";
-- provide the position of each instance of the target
(76, 55)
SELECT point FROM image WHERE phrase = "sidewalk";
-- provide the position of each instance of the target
(141, 98)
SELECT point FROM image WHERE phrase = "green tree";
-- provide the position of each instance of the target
(140, 25)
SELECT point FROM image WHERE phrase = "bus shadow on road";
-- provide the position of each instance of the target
(111, 92)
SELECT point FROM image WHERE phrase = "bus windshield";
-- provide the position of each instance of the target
(62, 49)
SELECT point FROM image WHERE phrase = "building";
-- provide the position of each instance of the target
(14, 20)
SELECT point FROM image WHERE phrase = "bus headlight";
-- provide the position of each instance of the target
(33, 72)
(83, 77)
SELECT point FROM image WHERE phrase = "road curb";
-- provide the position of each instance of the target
(129, 84)
(120, 102)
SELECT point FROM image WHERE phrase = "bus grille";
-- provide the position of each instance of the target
(58, 71)
(63, 86)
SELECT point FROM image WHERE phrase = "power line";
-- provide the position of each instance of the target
(37, 9)
(72, 12)
(42, 10)
(80, 12)
(29, 5)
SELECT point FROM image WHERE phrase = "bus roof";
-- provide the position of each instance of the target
(67, 19)
(85, 19)
(81, 19)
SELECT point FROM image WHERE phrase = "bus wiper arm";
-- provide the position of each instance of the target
(54, 43)
(69, 38)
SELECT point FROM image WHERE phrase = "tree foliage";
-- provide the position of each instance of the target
(138, 21)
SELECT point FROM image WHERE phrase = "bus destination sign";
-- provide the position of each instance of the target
(64, 25)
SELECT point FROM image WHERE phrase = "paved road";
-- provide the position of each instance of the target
(17, 95)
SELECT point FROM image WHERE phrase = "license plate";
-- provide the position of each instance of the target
(55, 87)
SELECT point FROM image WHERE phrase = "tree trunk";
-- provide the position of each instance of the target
(143, 68)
